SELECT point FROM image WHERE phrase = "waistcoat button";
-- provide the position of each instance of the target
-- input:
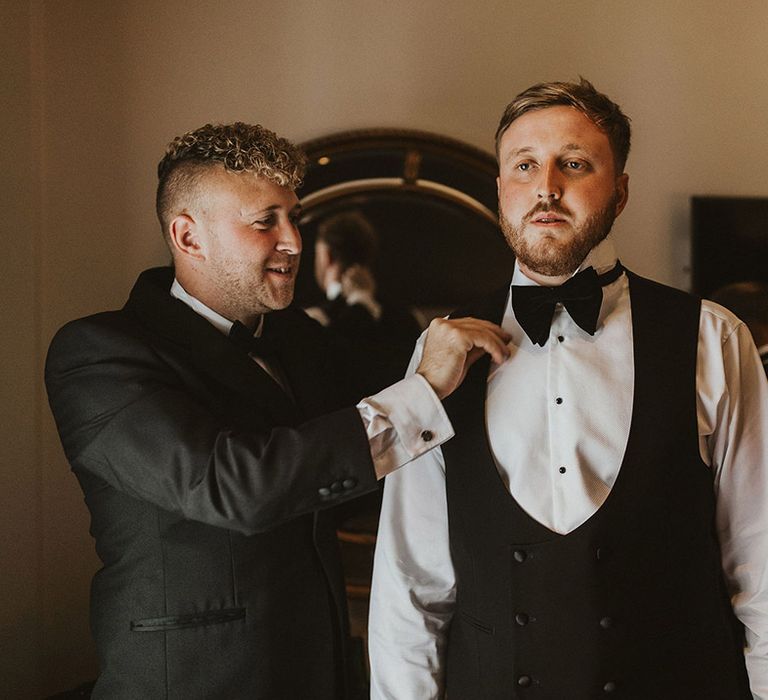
(606, 623)
(521, 619)
(524, 681)
(609, 687)
(519, 555)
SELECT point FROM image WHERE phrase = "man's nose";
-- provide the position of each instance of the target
(550, 185)
(289, 240)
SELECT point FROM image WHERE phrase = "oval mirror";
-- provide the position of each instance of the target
(432, 200)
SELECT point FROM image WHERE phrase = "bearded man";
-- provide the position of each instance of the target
(599, 524)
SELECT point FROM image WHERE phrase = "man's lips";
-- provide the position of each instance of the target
(551, 215)
(548, 219)
(286, 269)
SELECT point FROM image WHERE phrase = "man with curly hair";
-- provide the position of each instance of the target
(211, 427)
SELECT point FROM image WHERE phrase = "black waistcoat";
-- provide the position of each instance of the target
(631, 604)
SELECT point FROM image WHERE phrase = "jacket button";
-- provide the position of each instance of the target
(324, 491)
(519, 555)
(521, 619)
(427, 435)
(336, 487)
(609, 687)
(606, 623)
(349, 483)
(524, 681)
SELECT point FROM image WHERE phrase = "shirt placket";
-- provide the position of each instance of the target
(557, 412)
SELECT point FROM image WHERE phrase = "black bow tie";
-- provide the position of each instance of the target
(264, 347)
(581, 296)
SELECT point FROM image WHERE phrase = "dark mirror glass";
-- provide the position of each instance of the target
(433, 203)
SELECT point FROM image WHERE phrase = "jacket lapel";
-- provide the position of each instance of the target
(202, 345)
(304, 362)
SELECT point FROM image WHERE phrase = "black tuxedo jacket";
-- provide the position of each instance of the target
(206, 485)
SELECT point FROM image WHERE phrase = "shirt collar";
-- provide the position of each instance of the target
(223, 325)
(333, 291)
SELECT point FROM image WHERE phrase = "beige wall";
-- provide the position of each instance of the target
(21, 397)
(93, 90)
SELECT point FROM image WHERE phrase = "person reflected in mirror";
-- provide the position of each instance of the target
(599, 524)
(749, 301)
(212, 426)
(346, 256)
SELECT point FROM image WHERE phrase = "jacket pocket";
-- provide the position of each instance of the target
(477, 624)
(198, 619)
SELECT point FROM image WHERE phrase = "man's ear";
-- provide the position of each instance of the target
(329, 256)
(185, 237)
(333, 269)
(622, 190)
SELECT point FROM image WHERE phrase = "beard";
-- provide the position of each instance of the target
(559, 255)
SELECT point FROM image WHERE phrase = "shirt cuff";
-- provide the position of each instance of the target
(403, 422)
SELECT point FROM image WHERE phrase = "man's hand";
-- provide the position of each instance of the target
(359, 287)
(452, 345)
(358, 279)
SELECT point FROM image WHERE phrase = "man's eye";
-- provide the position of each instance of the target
(574, 165)
(523, 166)
(295, 218)
(265, 223)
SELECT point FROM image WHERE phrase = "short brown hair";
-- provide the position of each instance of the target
(238, 147)
(351, 238)
(603, 112)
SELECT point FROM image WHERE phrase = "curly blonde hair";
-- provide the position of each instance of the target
(238, 147)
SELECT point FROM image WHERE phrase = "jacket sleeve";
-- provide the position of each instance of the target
(126, 416)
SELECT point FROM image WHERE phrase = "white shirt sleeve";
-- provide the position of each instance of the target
(733, 423)
(402, 422)
(413, 588)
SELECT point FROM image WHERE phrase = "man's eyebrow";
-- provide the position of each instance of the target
(575, 147)
(249, 213)
(523, 150)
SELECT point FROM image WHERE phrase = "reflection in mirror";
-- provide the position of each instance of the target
(433, 202)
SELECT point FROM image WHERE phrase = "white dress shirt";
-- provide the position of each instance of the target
(413, 583)
(396, 420)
